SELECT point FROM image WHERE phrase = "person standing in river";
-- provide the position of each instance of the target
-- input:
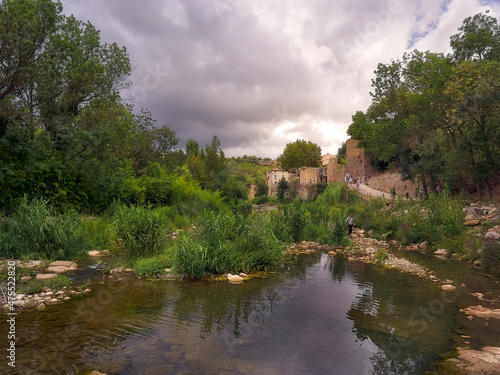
(349, 224)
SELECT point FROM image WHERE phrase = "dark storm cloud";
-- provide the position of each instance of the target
(260, 73)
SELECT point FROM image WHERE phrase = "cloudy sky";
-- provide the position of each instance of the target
(262, 73)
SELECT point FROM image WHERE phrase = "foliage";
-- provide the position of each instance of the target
(227, 242)
(149, 267)
(342, 154)
(35, 231)
(300, 154)
(35, 286)
(261, 199)
(142, 229)
(282, 189)
(98, 231)
(434, 116)
(381, 255)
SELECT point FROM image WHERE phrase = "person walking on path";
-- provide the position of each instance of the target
(349, 224)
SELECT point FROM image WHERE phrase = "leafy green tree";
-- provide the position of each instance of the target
(300, 154)
(282, 189)
(342, 154)
(478, 39)
(25, 27)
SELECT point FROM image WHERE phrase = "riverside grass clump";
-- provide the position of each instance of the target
(35, 231)
(436, 220)
(227, 242)
(142, 229)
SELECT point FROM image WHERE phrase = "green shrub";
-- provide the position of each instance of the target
(142, 229)
(35, 232)
(381, 255)
(262, 199)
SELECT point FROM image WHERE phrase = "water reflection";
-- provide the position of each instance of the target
(322, 315)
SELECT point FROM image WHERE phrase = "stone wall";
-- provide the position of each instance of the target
(358, 164)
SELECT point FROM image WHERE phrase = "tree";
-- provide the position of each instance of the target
(282, 188)
(25, 27)
(300, 154)
(479, 39)
(342, 154)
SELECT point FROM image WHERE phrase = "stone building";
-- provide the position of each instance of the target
(273, 177)
(358, 165)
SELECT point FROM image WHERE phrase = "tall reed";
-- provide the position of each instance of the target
(35, 231)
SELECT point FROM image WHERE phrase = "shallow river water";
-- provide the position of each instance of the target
(323, 315)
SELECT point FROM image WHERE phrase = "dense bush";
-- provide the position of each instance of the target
(35, 231)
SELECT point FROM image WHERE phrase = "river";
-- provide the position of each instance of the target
(320, 315)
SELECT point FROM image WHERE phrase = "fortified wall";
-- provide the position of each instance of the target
(358, 164)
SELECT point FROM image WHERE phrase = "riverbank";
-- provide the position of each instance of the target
(478, 351)
(470, 353)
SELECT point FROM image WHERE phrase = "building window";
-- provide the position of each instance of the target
(310, 180)
(282, 176)
(275, 176)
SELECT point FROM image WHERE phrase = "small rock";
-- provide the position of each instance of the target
(448, 287)
(45, 276)
(94, 253)
(26, 278)
(32, 264)
(441, 252)
(40, 307)
(131, 270)
(234, 278)
(242, 274)
(471, 223)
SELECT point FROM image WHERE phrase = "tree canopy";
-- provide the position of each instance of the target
(436, 116)
(300, 154)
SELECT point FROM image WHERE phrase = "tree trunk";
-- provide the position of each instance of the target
(487, 189)
(478, 189)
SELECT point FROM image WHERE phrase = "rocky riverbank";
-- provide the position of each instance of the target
(466, 358)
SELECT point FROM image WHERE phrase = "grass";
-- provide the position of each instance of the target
(142, 229)
(227, 242)
(148, 267)
(35, 231)
(35, 286)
